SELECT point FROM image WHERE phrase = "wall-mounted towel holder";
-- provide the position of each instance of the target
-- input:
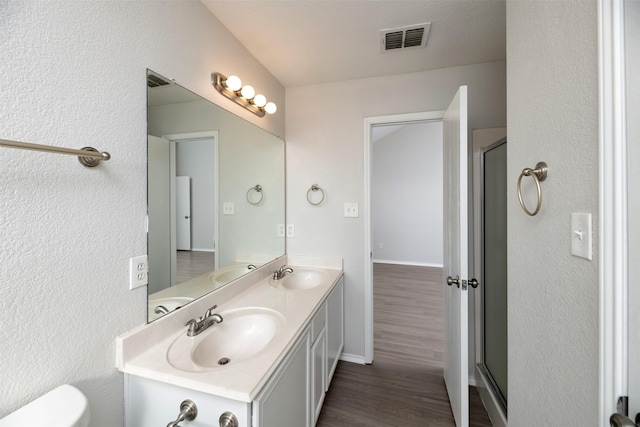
(255, 189)
(314, 188)
(88, 156)
(538, 174)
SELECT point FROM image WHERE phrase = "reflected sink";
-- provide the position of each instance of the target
(227, 274)
(301, 278)
(170, 303)
(244, 333)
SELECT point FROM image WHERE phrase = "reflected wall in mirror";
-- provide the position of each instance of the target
(208, 224)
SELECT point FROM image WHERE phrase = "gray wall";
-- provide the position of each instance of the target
(325, 145)
(552, 81)
(74, 74)
(406, 200)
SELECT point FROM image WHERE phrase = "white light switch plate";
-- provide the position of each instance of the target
(138, 271)
(291, 230)
(228, 208)
(351, 210)
(280, 230)
(581, 235)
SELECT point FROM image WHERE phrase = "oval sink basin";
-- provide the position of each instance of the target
(227, 274)
(170, 303)
(244, 334)
(302, 278)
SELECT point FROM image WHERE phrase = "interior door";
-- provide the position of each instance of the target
(456, 256)
(183, 213)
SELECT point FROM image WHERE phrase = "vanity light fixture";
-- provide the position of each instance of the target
(232, 88)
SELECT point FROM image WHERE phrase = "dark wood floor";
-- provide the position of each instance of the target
(404, 386)
(193, 263)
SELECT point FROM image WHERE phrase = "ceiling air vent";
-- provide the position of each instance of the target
(412, 36)
(156, 81)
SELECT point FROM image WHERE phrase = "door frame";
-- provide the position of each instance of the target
(370, 122)
(173, 139)
(613, 280)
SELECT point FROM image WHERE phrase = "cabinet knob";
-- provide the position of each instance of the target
(228, 420)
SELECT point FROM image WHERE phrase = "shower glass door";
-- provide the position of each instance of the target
(494, 271)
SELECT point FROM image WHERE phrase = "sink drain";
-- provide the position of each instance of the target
(224, 361)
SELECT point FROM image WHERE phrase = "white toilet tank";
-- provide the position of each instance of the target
(64, 406)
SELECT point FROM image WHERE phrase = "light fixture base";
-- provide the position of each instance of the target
(217, 80)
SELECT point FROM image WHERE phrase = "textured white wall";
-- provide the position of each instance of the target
(552, 96)
(73, 74)
(406, 201)
(325, 145)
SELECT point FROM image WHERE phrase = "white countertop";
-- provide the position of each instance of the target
(143, 352)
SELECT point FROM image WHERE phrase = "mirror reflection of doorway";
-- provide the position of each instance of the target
(195, 207)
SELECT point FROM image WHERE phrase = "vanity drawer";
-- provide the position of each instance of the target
(318, 322)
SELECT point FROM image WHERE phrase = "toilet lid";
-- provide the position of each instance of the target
(64, 406)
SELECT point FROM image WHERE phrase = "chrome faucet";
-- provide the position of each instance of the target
(279, 273)
(197, 326)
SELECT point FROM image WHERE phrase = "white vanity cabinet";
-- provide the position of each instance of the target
(152, 403)
(335, 329)
(284, 399)
(292, 396)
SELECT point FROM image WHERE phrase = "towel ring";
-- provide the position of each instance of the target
(538, 174)
(314, 188)
(258, 189)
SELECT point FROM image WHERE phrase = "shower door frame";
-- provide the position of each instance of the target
(493, 137)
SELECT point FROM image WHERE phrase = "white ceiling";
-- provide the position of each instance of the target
(304, 42)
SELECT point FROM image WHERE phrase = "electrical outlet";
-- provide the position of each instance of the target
(291, 230)
(280, 230)
(380, 245)
(138, 271)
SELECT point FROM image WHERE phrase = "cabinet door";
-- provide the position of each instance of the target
(284, 401)
(335, 329)
(318, 373)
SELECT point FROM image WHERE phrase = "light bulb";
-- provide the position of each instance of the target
(248, 92)
(260, 100)
(233, 83)
(270, 108)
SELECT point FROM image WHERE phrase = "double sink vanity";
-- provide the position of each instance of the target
(239, 332)
(265, 359)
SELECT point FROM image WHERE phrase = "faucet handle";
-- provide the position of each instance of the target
(209, 311)
(193, 325)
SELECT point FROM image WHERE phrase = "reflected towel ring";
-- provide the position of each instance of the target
(314, 188)
(258, 189)
(538, 174)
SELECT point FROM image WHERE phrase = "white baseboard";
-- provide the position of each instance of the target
(352, 358)
(395, 262)
(472, 380)
(202, 250)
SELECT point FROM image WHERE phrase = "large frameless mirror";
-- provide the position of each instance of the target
(216, 196)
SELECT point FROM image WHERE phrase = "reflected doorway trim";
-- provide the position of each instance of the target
(613, 209)
(176, 137)
(370, 122)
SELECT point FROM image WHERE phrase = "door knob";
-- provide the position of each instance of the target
(186, 217)
(473, 283)
(618, 420)
(452, 281)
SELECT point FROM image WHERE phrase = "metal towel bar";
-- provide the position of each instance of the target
(88, 156)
